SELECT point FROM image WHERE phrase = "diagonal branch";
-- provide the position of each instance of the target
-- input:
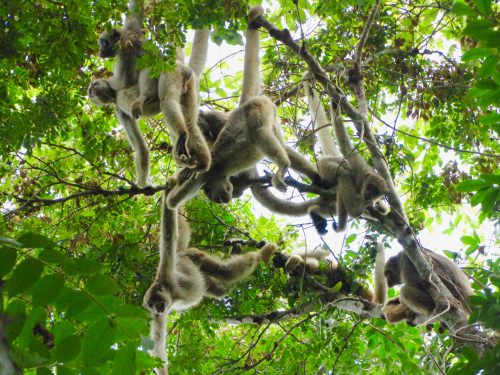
(340, 98)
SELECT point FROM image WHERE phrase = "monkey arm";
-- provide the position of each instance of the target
(139, 145)
(302, 165)
(158, 333)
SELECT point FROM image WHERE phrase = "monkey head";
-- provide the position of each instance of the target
(108, 43)
(219, 190)
(101, 93)
(158, 299)
(373, 187)
(392, 271)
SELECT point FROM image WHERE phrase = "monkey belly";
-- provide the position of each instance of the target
(125, 97)
(190, 285)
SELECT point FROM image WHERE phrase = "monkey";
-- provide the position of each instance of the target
(335, 170)
(300, 262)
(370, 184)
(126, 45)
(185, 274)
(250, 133)
(380, 288)
(413, 299)
(175, 94)
(308, 260)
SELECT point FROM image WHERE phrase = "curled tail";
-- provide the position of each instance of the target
(380, 283)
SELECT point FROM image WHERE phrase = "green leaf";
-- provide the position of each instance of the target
(476, 53)
(479, 29)
(97, 342)
(52, 256)
(101, 284)
(68, 348)
(490, 198)
(471, 185)
(468, 240)
(125, 360)
(350, 239)
(7, 260)
(43, 371)
(83, 266)
(47, 289)
(73, 302)
(460, 9)
(33, 240)
(484, 6)
(24, 276)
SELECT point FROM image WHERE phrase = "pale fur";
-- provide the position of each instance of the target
(413, 298)
(175, 94)
(251, 133)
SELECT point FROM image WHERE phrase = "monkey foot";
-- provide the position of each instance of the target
(267, 251)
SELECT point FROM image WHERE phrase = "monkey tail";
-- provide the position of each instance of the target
(320, 122)
(380, 283)
(158, 334)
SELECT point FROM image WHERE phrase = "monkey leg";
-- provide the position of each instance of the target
(302, 165)
(274, 148)
(196, 144)
(215, 288)
(148, 94)
(184, 190)
(416, 299)
(233, 269)
(395, 311)
(138, 143)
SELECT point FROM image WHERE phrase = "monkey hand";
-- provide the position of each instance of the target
(292, 263)
(192, 152)
(136, 107)
(266, 252)
(279, 182)
(157, 298)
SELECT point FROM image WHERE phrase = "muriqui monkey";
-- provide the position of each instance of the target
(301, 261)
(185, 275)
(413, 299)
(175, 94)
(250, 133)
(342, 172)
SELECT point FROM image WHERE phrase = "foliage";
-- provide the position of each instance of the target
(77, 252)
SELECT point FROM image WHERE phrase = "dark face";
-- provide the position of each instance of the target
(108, 42)
(374, 187)
(392, 272)
(101, 93)
(157, 299)
(219, 191)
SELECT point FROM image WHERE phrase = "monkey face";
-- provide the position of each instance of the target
(391, 271)
(101, 93)
(157, 299)
(219, 191)
(374, 187)
(108, 42)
